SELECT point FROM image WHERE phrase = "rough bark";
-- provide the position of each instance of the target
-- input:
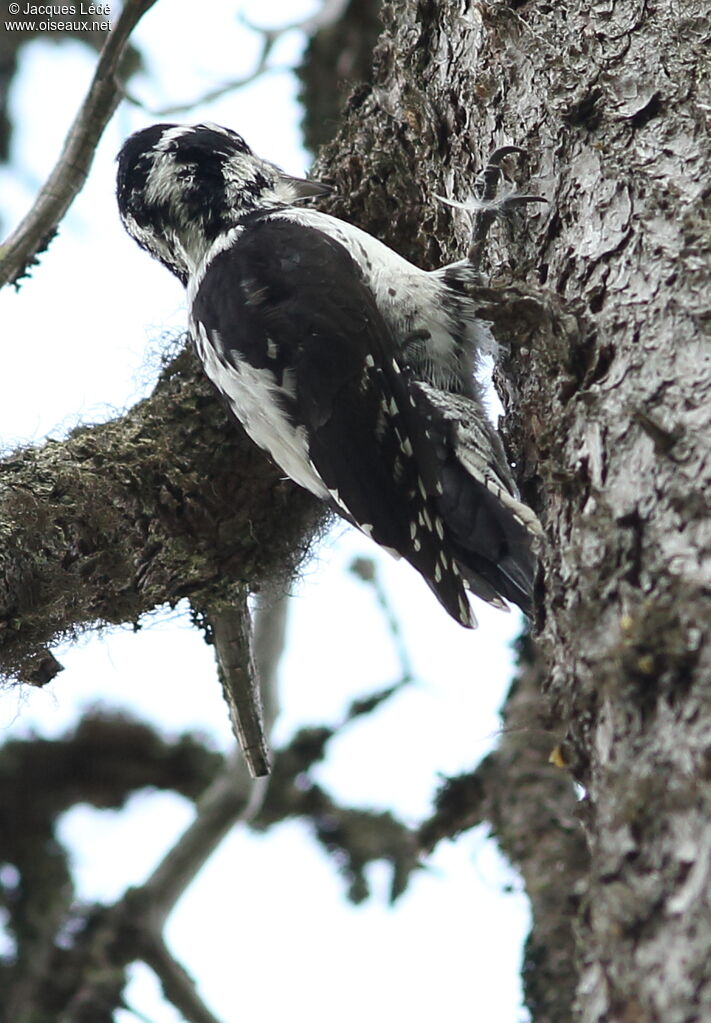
(607, 384)
(530, 807)
(169, 501)
(338, 58)
(610, 102)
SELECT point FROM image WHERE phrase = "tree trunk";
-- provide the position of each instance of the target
(600, 301)
(611, 384)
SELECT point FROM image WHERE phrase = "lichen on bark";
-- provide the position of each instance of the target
(170, 501)
(600, 302)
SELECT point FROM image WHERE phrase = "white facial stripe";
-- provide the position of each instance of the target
(161, 181)
(171, 135)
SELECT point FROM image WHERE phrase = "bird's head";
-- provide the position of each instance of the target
(180, 187)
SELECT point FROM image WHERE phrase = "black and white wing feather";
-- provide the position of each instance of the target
(490, 531)
(295, 342)
(353, 368)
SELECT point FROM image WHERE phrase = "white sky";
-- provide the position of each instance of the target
(265, 929)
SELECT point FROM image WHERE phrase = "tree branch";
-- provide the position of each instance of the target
(532, 810)
(329, 12)
(366, 570)
(177, 984)
(37, 229)
(170, 501)
(232, 636)
(231, 796)
(133, 927)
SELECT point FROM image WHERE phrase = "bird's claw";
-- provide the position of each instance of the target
(489, 206)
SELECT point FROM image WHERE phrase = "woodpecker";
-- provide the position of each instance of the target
(352, 368)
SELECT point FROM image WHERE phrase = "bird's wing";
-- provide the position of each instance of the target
(294, 339)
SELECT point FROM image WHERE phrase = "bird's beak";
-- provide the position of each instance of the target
(305, 188)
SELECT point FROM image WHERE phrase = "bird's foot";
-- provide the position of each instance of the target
(486, 205)
(491, 204)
